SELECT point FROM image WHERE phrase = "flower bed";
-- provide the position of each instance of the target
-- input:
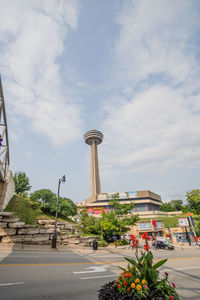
(140, 280)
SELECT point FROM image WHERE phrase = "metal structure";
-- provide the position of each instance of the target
(4, 145)
(93, 138)
(54, 237)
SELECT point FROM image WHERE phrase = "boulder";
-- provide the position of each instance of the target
(5, 213)
(16, 225)
(45, 222)
(40, 238)
(49, 226)
(46, 230)
(29, 225)
(7, 231)
(11, 220)
(73, 236)
(3, 224)
(13, 239)
(28, 231)
(28, 238)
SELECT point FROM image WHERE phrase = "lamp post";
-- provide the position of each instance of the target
(54, 237)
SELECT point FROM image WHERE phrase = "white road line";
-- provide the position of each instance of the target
(98, 277)
(10, 283)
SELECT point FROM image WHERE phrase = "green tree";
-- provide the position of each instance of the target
(66, 207)
(193, 199)
(197, 229)
(90, 224)
(22, 184)
(119, 219)
(177, 204)
(167, 207)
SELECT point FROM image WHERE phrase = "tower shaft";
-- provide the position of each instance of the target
(93, 138)
(95, 186)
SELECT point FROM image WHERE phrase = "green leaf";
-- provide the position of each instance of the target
(160, 263)
(153, 275)
(132, 261)
(145, 270)
(141, 258)
(122, 268)
(149, 258)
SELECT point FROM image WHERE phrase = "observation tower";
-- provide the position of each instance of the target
(93, 138)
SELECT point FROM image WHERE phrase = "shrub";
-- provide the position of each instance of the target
(102, 243)
(24, 208)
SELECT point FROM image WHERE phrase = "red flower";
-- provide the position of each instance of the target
(134, 245)
(128, 290)
(145, 236)
(171, 297)
(166, 274)
(173, 284)
(146, 247)
(125, 283)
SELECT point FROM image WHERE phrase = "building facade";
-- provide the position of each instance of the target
(146, 202)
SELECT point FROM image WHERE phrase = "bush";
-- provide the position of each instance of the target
(24, 208)
(102, 243)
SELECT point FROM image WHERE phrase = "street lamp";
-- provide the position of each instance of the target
(54, 237)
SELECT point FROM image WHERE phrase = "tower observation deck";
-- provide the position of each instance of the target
(93, 138)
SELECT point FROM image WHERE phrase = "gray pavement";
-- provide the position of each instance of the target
(44, 273)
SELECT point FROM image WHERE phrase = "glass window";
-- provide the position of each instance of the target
(141, 207)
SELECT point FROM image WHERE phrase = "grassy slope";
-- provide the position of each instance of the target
(173, 221)
(28, 211)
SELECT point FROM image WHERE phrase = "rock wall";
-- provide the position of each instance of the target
(13, 231)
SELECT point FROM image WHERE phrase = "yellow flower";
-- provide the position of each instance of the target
(143, 281)
(133, 285)
(138, 287)
(137, 280)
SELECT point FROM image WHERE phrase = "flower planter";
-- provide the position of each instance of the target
(140, 280)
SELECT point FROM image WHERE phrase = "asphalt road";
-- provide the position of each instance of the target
(26, 275)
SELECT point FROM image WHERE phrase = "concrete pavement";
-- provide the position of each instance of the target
(44, 273)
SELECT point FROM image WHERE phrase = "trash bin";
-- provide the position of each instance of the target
(95, 245)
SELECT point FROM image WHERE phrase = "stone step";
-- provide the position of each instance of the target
(10, 220)
(7, 231)
(16, 225)
(6, 213)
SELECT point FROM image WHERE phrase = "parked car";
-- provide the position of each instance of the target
(164, 245)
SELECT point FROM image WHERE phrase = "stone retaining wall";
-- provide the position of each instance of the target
(14, 231)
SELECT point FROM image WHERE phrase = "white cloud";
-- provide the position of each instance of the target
(32, 36)
(152, 125)
(156, 37)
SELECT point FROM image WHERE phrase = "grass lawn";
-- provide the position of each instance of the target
(173, 221)
(28, 211)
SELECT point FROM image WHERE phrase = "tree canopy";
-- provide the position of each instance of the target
(119, 219)
(116, 222)
(22, 184)
(48, 199)
(193, 199)
(167, 207)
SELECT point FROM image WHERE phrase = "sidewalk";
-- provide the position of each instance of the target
(111, 248)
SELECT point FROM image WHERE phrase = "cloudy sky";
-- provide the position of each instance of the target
(127, 68)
